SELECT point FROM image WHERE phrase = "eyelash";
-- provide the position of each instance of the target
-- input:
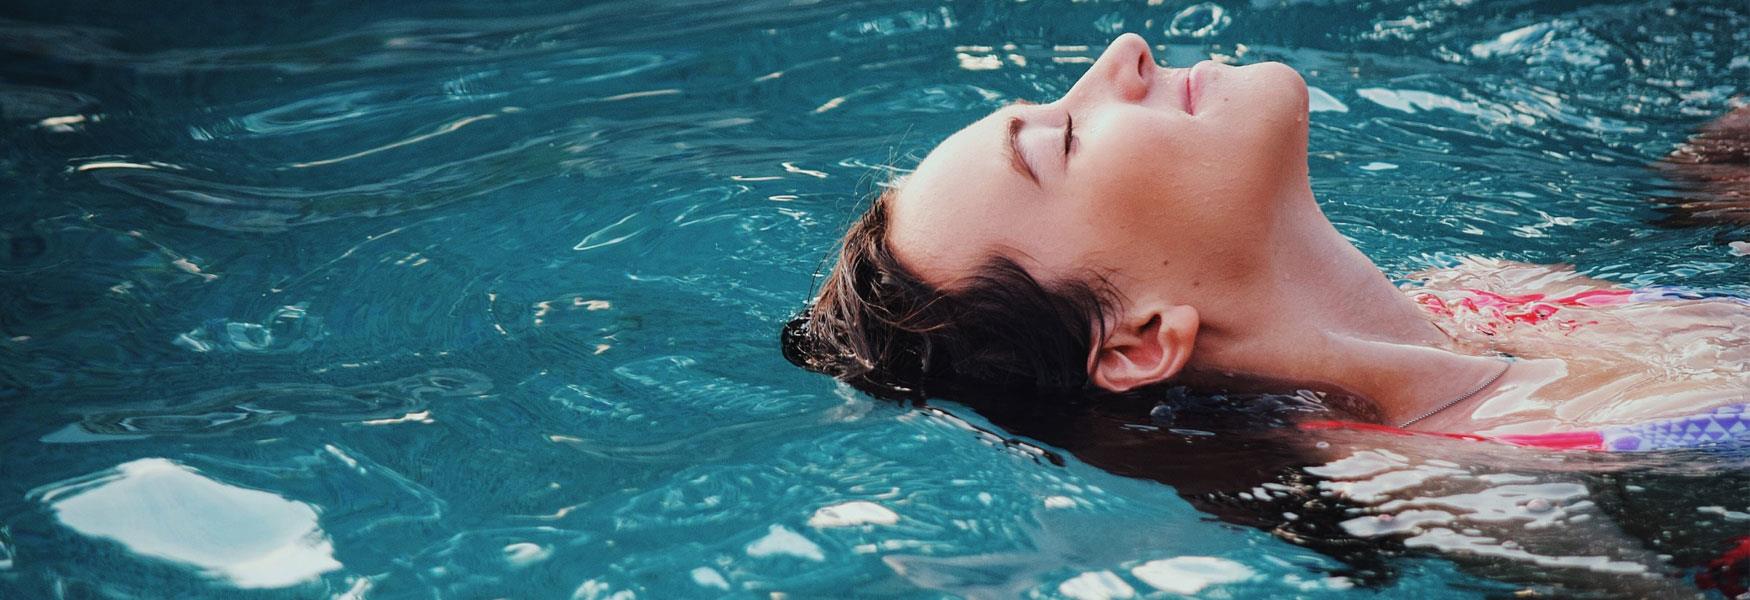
(1068, 134)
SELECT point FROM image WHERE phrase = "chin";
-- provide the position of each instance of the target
(1262, 111)
(1271, 88)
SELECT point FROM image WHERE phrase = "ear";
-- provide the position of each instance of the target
(1148, 345)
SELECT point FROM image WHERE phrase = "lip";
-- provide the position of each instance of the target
(1193, 86)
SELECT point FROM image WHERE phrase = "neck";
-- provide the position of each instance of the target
(1320, 312)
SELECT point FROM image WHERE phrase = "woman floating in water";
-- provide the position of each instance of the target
(1157, 225)
(1155, 230)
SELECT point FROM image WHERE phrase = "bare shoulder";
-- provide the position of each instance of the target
(1507, 276)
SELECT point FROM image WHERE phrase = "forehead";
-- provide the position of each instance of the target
(947, 215)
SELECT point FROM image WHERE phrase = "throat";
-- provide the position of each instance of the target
(1326, 283)
(1320, 312)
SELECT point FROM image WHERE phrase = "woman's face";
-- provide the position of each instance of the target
(1140, 172)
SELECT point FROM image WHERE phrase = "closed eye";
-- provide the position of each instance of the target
(1069, 130)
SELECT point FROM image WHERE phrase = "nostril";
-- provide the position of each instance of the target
(1142, 65)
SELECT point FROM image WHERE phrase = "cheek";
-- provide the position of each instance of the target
(1145, 162)
(1062, 234)
(1179, 182)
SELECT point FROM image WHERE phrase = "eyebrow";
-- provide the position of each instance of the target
(1014, 150)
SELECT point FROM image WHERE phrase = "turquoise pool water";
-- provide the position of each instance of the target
(473, 300)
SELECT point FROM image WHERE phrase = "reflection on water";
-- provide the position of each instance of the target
(1552, 522)
(160, 509)
(480, 300)
(227, 409)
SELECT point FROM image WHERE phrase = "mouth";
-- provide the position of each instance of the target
(1191, 89)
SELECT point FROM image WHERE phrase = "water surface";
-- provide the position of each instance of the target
(477, 300)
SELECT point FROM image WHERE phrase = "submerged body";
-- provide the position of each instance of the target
(1592, 354)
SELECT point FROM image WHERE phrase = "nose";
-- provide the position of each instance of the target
(1125, 70)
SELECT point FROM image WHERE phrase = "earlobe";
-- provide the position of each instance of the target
(1148, 347)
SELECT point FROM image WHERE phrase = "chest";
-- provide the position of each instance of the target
(1603, 358)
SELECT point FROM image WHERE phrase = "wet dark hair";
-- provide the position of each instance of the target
(878, 326)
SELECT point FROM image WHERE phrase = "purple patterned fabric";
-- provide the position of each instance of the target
(1727, 425)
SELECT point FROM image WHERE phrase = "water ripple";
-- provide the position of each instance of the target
(492, 292)
(227, 410)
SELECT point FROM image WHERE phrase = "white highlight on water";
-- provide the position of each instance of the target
(1318, 100)
(1190, 574)
(709, 577)
(423, 416)
(522, 554)
(1096, 585)
(851, 514)
(158, 508)
(780, 540)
